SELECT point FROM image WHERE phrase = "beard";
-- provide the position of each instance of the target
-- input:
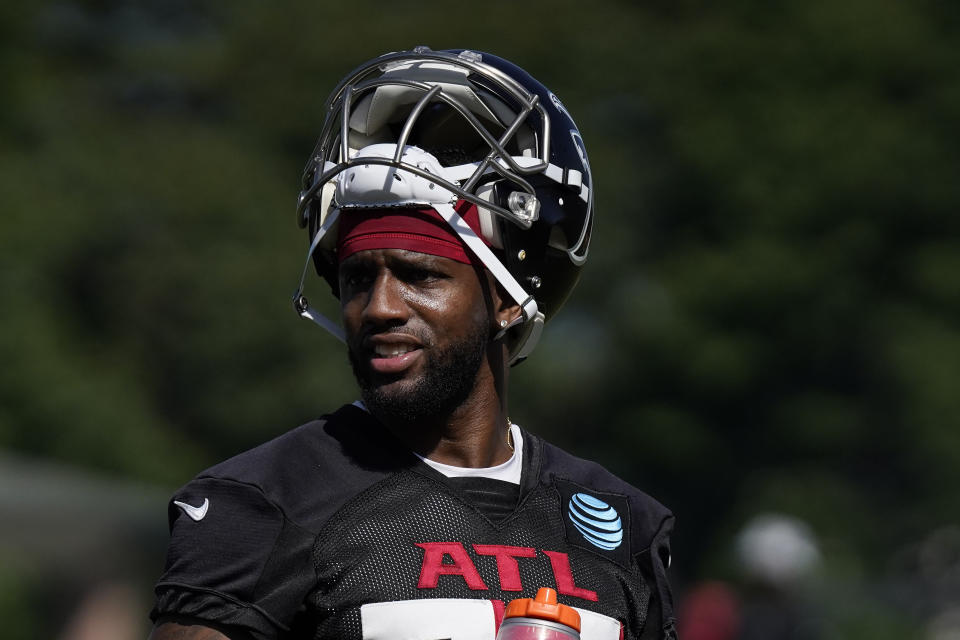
(449, 376)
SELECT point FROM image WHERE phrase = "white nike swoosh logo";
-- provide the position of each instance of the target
(195, 513)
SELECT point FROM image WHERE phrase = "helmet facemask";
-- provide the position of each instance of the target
(434, 129)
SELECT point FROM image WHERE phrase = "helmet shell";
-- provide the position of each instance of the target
(482, 112)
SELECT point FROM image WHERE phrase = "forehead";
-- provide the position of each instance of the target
(464, 286)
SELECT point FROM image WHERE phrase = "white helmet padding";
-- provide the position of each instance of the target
(379, 186)
(384, 185)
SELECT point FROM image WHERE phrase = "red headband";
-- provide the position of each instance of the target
(420, 230)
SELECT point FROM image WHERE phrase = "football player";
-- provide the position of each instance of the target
(449, 205)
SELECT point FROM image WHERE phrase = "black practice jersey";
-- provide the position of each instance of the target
(334, 530)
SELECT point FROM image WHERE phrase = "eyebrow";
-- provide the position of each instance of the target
(416, 259)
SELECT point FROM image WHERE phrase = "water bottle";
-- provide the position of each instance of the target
(540, 618)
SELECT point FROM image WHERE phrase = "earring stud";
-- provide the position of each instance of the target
(503, 324)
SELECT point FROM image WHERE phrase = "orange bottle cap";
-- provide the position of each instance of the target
(545, 607)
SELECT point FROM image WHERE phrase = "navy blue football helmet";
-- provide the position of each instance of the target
(434, 128)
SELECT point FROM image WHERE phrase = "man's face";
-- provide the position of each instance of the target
(417, 329)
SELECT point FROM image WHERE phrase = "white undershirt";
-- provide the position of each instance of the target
(509, 471)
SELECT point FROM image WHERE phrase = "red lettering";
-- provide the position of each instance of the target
(452, 559)
(498, 610)
(564, 577)
(507, 565)
(460, 565)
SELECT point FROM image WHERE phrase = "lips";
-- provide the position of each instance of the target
(392, 350)
(393, 354)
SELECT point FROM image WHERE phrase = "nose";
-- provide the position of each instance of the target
(384, 304)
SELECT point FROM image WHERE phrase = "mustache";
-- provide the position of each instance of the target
(360, 342)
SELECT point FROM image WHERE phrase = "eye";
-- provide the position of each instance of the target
(419, 274)
(350, 281)
(354, 279)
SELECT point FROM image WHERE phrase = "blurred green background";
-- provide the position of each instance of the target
(768, 322)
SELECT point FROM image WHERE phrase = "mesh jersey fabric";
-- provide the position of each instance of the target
(307, 534)
(495, 499)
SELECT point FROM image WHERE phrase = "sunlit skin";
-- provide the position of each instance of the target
(401, 300)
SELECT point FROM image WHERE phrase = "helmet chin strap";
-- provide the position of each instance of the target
(529, 314)
(300, 303)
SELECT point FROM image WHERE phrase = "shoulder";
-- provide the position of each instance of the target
(602, 511)
(650, 519)
(310, 471)
(243, 531)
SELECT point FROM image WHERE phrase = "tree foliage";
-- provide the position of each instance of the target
(768, 320)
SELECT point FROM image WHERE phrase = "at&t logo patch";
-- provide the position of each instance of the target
(596, 521)
(599, 523)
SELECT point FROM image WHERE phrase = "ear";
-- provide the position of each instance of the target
(505, 310)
